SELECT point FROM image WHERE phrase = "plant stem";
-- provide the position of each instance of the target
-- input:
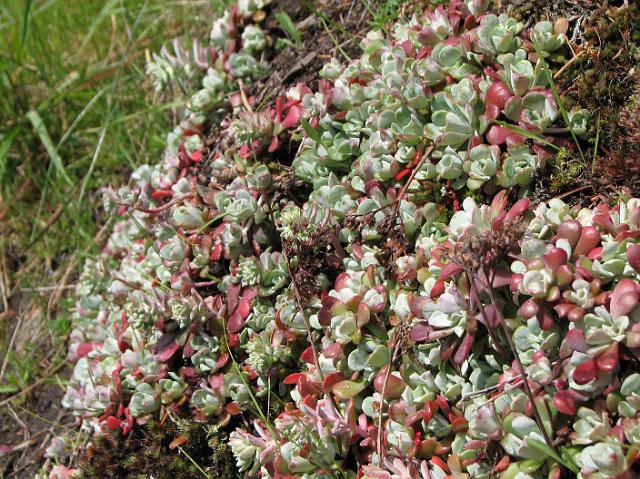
(523, 371)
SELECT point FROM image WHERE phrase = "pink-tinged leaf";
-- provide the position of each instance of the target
(113, 423)
(492, 316)
(293, 378)
(575, 314)
(167, 352)
(233, 294)
(307, 356)
(589, 239)
(604, 221)
(84, 349)
(395, 385)
(236, 323)
(571, 231)
(196, 156)
(492, 112)
(420, 332)
(363, 314)
(498, 94)
(528, 309)
(417, 306)
(518, 209)
(273, 146)
(341, 281)
(293, 117)
(331, 380)
(585, 372)
(333, 351)
(595, 253)
(624, 298)
(407, 46)
(465, 348)
(437, 289)
(244, 308)
(555, 258)
(575, 340)
(515, 281)
(450, 270)
(565, 402)
(609, 360)
(499, 203)
(633, 256)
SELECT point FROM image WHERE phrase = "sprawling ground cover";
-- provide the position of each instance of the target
(350, 279)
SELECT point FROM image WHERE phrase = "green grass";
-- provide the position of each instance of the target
(78, 113)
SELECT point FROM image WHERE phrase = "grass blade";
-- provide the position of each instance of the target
(25, 23)
(41, 130)
(5, 145)
(527, 134)
(556, 95)
(287, 25)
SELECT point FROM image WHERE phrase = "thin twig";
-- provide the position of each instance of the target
(523, 371)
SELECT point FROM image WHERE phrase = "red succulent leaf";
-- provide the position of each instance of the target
(236, 322)
(307, 356)
(498, 94)
(233, 408)
(420, 332)
(571, 231)
(565, 402)
(293, 117)
(402, 173)
(84, 349)
(585, 372)
(244, 308)
(333, 351)
(604, 221)
(113, 423)
(274, 145)
(293, 378)
(167, 352)
(575, 340)
(222, 361)
(161, 194)
(528, 309)
(437, 461)
(633, 256)
(589, 239)
(609, 360)
(624, 298)
(555, 258)
(465, 348)
(196, 156)
(233, 294)
(331, 380)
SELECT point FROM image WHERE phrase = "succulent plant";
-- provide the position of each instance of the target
(377, 323)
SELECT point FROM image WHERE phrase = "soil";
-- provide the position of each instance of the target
(39, 418)
(348, 22)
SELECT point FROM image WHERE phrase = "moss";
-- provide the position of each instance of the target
(148, 452)
(562, 170)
